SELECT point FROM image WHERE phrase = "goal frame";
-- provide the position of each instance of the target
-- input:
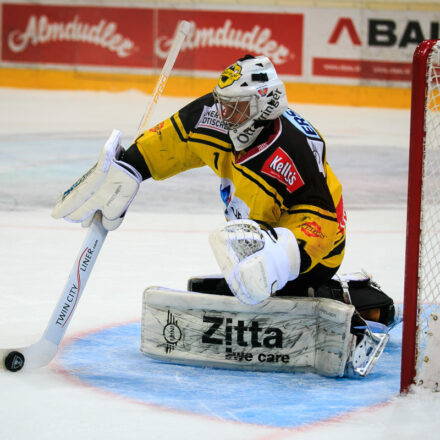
(413, 223)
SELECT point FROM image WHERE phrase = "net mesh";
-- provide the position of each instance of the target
(429, 267)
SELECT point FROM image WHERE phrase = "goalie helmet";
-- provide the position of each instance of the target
(249, 92)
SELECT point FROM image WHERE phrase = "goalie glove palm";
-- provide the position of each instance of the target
(109, 187)
(254, 263)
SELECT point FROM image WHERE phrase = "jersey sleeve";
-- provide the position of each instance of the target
(165, 147)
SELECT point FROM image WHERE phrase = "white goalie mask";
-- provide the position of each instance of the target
(248, 92)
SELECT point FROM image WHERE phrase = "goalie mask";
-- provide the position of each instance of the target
(249, 92)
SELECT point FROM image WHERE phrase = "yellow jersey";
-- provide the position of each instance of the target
(284, 181)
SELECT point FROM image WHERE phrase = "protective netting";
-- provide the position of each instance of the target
(429, 267)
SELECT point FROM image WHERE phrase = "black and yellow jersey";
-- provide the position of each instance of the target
(284, 181)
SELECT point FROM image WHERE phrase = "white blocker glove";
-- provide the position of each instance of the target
(109, 186)
(255, 264)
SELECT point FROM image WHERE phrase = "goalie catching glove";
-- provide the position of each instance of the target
(255, 262)
(108, 187)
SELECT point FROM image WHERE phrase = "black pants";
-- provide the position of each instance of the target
(365, 295)
(298, 287)
(316, 277)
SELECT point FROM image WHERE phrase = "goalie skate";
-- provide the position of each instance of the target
(366, 353)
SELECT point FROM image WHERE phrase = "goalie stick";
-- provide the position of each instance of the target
(44, 350)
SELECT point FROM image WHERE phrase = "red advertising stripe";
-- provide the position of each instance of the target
(77, 35)
(219, 38)
(362, 69)
(124, 37)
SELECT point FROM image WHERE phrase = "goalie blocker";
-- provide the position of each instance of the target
(312, 334)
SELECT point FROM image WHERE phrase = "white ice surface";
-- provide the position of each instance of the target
(47, 139)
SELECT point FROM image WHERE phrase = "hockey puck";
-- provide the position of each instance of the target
(14, 361)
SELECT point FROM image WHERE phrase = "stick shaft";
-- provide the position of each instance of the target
(76, 282)
(182, 31)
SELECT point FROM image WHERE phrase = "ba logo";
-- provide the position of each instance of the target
(229, 76)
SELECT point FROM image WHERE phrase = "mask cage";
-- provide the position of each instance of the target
(235, 111)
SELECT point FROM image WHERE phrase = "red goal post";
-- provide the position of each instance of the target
(421, 332)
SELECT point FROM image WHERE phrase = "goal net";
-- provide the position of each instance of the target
(421, 329)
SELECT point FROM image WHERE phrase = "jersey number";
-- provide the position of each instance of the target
(216, 156)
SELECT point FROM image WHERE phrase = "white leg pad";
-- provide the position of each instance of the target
(280, 334)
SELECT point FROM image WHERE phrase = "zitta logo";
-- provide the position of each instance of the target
(245, 337)
(171, 333)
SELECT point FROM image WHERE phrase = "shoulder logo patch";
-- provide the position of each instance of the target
(210, 119)
(280, 166)
(157, 128)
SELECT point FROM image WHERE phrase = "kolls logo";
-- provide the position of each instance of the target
(171, 333)
(280, 166)
(240, 338)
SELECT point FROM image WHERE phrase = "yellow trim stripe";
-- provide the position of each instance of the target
(178, 126)
(258, 180)
(211, 139)
(180, 86)
(314, 210)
